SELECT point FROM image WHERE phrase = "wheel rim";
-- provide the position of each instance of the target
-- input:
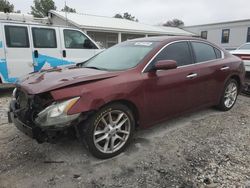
(230, 95)
(112, 131)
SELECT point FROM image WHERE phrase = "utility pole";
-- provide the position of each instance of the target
(66, 19)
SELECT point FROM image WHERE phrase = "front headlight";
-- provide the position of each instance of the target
(14, 93)
(56, 114)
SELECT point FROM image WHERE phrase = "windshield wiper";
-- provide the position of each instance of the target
(90, 67)
(81, 64)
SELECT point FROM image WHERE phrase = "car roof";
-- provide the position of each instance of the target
(164, 38)
(168, 39)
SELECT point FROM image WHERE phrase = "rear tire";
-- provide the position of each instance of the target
(229, 95)
(108, 132)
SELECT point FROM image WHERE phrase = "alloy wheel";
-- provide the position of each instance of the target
(112, 131)
(230, 95)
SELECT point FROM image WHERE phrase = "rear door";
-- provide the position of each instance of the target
(211, 71)
(18, 51)
(76, 46)
(46, 47)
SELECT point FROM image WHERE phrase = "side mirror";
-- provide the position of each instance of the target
(165, 65)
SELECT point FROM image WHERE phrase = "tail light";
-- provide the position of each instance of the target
(243, 57)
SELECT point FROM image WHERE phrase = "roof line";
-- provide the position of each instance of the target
(56, 11)
(134, 31)
(163, 32)
(225, 22)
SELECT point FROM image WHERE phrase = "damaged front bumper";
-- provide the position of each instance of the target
(33, 132)
(36, 131)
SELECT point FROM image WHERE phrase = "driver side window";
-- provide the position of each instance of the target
(76, 40)
(179, 51)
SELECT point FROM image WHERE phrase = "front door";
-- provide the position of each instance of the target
(171, 92)
(18, 52)
(77, 47)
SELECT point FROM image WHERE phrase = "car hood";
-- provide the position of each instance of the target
(52, 79)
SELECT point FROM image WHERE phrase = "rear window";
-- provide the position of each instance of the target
(17, 37)
(203, 52)
(44, 38)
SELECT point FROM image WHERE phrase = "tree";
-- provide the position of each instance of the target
(127, 16)
(118, 16)
(174, 23)
(68, 9)
(42, 7)
(5, 6)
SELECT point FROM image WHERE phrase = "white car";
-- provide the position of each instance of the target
(243, 52)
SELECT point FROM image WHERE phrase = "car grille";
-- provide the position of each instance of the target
(22, 105)
(28, 106)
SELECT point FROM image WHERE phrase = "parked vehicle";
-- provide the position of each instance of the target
(135, 83)
(243, 52)
(29, 47)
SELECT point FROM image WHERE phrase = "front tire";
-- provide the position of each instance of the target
(108, 132)
(229, 95)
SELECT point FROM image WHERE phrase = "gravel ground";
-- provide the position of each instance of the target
(203, 149)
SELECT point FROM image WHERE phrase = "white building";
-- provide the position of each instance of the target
(229, 35)
(109, 31)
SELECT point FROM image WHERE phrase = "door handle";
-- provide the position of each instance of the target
(36, 54)
(192, 75)
(224, 68)
(64, 53)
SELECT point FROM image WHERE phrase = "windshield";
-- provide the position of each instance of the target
(244, 47)
(121, 57)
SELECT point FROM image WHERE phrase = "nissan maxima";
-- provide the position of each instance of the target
(137, 83)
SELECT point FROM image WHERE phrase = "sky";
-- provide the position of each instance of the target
(154, 12)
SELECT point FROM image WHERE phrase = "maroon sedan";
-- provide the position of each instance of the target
(137, 83)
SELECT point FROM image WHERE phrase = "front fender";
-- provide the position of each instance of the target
(92, 103)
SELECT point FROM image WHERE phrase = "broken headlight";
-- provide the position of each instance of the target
(56, 114)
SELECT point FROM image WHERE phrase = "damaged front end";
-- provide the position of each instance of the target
(40, 117)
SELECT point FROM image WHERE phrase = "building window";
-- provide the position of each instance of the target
(248, 34)
(204, 34)
(111, 40)
(225, 36)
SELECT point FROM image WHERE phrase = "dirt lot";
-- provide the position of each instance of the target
(203, 149)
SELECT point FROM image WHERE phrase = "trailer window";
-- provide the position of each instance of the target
(17, 37)
(225, 36)
(76, 40)
(44, 38)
